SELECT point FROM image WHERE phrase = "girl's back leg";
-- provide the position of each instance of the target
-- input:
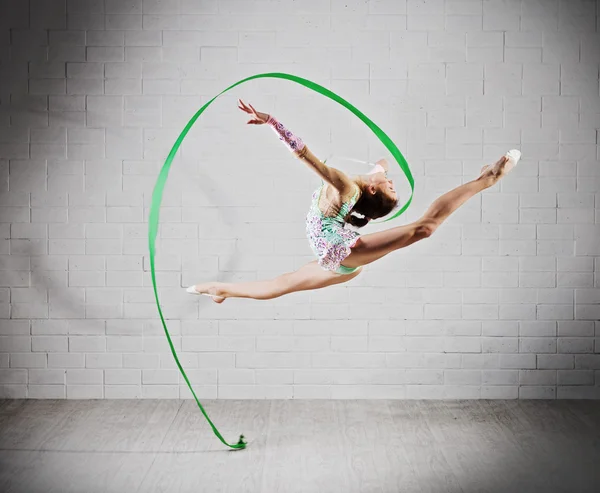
(309, 276)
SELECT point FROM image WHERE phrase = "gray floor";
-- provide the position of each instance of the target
(300, 446)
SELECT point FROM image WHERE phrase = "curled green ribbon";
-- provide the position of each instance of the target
(164, 173)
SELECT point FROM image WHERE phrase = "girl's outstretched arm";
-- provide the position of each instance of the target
(336, 178)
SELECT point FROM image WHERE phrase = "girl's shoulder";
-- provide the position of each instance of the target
(349, 195)
(353, 194)
(330, 199)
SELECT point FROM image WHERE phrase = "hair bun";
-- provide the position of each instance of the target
(357, 220)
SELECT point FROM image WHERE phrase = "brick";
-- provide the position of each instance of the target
(85, 70)
(105, 38)
(105, 54)
(46, 391)
(143, 38)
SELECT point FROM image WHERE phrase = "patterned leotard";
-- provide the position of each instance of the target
(329, 239)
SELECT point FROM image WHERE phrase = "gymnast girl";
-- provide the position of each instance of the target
(341, 200)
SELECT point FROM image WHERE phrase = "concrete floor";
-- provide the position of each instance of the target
(300, 446)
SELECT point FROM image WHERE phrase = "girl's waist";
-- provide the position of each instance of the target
(316, 225)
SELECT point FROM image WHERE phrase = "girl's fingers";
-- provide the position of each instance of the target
(250, 109)
(254, 111)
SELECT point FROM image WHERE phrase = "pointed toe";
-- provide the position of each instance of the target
(514, 154)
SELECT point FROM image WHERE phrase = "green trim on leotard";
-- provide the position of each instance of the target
(342, 269)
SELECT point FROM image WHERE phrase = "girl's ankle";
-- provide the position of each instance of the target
(219, 289)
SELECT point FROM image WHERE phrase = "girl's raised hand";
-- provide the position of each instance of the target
(259, 118)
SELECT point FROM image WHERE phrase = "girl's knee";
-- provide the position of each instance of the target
(425, 228)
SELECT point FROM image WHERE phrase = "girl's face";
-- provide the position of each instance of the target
(384, 185)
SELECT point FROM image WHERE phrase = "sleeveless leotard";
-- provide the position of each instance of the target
(328, 237)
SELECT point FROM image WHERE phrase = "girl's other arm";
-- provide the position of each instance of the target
(381, 165)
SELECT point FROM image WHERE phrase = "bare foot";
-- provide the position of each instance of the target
(214, 289)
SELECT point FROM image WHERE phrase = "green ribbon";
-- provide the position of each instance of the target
(164, 172)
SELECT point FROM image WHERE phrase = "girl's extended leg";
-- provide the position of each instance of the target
(372, 247)
(310, 276)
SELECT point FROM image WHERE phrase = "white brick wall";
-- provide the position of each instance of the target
(502, 302)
